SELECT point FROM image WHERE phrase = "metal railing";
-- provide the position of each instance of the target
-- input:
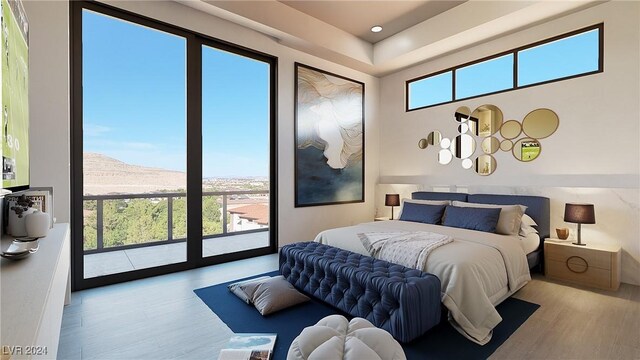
(100, 199)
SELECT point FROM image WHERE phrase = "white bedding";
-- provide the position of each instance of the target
(530, 242)
(477, 270)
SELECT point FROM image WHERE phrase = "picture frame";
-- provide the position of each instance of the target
(329, 138)
(42, 198)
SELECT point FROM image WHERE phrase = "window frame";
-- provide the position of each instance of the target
(514, 51)
(453, 88)
(194, 43)
(493, 57)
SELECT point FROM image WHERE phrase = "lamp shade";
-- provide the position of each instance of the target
(579, 213)
(392, 200)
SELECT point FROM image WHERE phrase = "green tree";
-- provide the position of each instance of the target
(136, 221)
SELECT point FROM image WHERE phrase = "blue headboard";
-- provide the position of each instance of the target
(537, 207)
(430, 195)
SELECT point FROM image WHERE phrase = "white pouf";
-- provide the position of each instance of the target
(336, 338)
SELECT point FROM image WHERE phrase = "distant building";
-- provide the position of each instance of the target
(234, 201)
(249, 217)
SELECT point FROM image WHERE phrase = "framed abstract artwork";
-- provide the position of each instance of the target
(329, 138)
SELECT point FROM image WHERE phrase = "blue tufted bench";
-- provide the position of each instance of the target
(405, 302)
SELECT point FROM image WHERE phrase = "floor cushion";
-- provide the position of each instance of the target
(334, 337)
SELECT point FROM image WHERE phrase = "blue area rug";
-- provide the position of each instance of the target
(441, 342)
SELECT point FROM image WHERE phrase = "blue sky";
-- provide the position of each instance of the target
(134, 81)
(569, 56)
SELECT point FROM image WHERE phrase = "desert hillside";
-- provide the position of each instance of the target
(105, 175)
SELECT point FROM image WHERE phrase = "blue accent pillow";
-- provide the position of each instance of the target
(481, 219)
(423, 213)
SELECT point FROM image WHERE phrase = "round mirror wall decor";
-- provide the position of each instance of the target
(490, 145)
(444, 156)
(434, 138)
(540, 123)
(462, 113)
(526, 149)
(522, 139)
(510, 129)
(485, 165)
(506, 145)
(485, 120)
(463, 146)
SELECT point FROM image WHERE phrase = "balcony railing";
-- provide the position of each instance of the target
(170, 196)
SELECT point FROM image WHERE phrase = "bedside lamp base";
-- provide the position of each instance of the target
(579, 237)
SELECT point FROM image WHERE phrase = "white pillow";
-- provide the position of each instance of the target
(526, 230)
(428, 202)
(510, 216)
(527, 220)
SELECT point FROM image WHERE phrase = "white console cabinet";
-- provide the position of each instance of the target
(33, 292)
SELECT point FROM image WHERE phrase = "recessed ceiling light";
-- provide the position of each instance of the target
(376, 29)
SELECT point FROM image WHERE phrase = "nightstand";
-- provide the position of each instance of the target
(384, 218)
(594, 265)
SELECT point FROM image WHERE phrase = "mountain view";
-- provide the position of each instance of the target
(105, 175)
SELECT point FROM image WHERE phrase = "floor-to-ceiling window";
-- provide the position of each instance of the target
(173, 139)
(235, 152)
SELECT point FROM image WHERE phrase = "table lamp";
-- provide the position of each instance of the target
(579, 214)
(392, 200)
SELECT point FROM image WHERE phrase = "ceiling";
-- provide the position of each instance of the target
(414, 31)
(357, 17)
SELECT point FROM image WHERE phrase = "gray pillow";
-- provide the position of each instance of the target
(418, 201)
(273, 294)
(510, 216)
(237, 290)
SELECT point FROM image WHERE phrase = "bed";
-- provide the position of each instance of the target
(478, 270)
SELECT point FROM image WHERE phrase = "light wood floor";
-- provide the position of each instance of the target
(161, 318)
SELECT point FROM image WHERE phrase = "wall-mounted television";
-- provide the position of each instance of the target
(15, 95)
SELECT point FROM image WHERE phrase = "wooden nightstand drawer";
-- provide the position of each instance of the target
(580, 274)
(595, 258)
(594, 265)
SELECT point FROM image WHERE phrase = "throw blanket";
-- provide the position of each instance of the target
(409, 249)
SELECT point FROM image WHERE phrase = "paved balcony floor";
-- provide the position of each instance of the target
(113, 262)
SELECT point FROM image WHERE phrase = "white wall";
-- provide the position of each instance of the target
(593, 157)
(49, 100)
(49, 105)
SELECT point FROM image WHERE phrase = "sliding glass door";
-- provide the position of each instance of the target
(134, 146)
(173, 149)
(235, 152)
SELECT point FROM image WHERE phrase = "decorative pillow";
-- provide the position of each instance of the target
(423, 213)
(427, 202)
(481, 219)
(527, 220)
(526, 230)
(273, 294)
(527, 226)
(510, 216)
(236, 289)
